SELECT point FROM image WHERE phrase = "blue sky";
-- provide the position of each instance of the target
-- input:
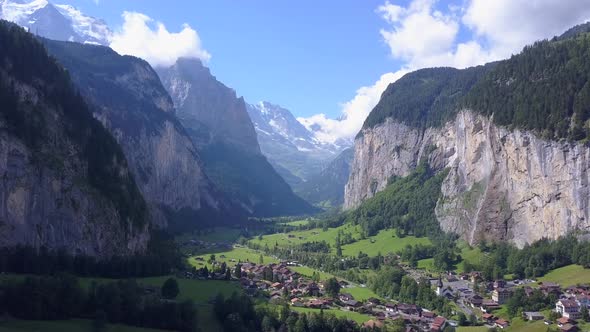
(330, 59)
(306, 55)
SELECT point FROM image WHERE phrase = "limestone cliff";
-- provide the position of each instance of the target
(64, 181)
(218, 124)
(130, 101)
(502, 184)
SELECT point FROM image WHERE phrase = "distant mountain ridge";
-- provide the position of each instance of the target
(219, 125)
(292, 149)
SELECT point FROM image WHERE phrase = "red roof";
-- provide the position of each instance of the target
(440, 321)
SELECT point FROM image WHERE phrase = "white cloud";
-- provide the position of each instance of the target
(422, 36)
(508, 25)
(143, 37)
(354, 112)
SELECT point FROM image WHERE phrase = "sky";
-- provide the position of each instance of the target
(329, 61)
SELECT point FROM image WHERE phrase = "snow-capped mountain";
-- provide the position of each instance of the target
(54, 21)
(294, 150)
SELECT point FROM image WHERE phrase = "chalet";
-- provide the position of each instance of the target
(438, 324)
(372, 324)
(489, 305)
(499, 284)
(409, 309)
(374, 301)
(380, 315)
(563, 321)
(476, 301)
(277, 285)
(488, 318)
(317, 304)
(583, 300)
(345, 297)
(501, 295)
(428, 315)
(312, 289)
(569, 328)
(501, 323)
(568, 308)
(352, 304)
(533, 315)
(550, 288)
(296, 302)
(390, 307)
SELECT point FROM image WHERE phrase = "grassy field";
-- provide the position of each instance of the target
(355, 316)
(359, 293)
(384, 242)
(471, 255)
(238, 254)
(426, 264)
(298, 237)
(520, 325)
(308, 272)
(568, 275)
(74, 325)
(472, 329)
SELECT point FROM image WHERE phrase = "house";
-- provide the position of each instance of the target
(550, 288)
(563, 321)
(583, 300)
(277, 285)
(499, 284)
(352, 304)
(428, 316)
(488, 318)
(374, 301)
(345, 297)
(501, 323)
(438, 324)
(409, 309)
(489, 305)
(501, 295)
(476, 301)
(568, 308)
(533, 315)
(568, 328)
(390, 307)
(372, 324)
(296, 302)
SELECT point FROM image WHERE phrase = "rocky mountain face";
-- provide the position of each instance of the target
(511, 176)
(55, 21)
(290, 147)
(127, 96)
(502, 184)
(219, 125)
(326, 188)
(65, 181)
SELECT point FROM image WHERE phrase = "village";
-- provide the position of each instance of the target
(279, 284)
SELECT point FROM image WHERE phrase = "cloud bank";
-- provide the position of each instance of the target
(145, 38)
(463, 34)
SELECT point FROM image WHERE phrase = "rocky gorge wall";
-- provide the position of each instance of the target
(502, 184)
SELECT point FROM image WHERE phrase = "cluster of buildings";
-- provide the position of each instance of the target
(280, 283)
(570, 304)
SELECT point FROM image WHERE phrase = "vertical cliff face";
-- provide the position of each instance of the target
(218, 124)
(205, 103)
(65, 183)
(502, 184)
(129, 99)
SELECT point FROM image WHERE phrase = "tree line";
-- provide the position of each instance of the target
(126, 302)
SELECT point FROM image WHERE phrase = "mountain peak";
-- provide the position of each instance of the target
(54, 21)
